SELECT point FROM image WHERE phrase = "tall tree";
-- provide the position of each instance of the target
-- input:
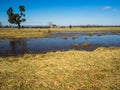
(16, 18)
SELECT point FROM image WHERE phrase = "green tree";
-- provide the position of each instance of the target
(16, 18)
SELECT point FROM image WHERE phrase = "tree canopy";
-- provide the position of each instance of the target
(16, 18)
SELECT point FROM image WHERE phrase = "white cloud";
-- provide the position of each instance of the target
(107, 7)
(110, 8)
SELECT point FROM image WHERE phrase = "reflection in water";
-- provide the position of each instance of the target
(12, 45)
(18, 46)
(57, 42)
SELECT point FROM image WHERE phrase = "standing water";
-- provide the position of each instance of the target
(59, 41)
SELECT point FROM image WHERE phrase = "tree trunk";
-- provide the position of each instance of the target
(18, 25)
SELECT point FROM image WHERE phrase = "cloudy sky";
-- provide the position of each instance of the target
(65, 12)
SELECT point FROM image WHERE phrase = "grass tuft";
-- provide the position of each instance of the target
(75, 45)
(74, 37)
(86, 45)
(89, 33)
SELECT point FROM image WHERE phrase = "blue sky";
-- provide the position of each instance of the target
(65, 12)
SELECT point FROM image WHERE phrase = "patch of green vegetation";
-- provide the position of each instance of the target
(70, 70)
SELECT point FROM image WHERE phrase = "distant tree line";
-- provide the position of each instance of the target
(70, 26)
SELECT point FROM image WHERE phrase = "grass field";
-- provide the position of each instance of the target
(69, 70)
(22, 33)
(41, 32)
(87, 29)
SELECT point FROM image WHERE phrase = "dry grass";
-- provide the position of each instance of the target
(114, 29)
(22, 33)
(89, 34)
(70, 70)
(85, 45)
(75, 45)
(41, 32)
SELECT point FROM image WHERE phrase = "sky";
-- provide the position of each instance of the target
(64, 12)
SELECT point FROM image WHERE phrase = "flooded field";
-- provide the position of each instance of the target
(59, 41)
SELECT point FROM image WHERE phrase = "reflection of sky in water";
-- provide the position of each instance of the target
(38, 45)
(56, 43)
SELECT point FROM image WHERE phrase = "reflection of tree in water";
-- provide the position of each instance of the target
(18, 46)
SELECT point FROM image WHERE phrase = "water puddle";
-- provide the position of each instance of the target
(59, 41)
